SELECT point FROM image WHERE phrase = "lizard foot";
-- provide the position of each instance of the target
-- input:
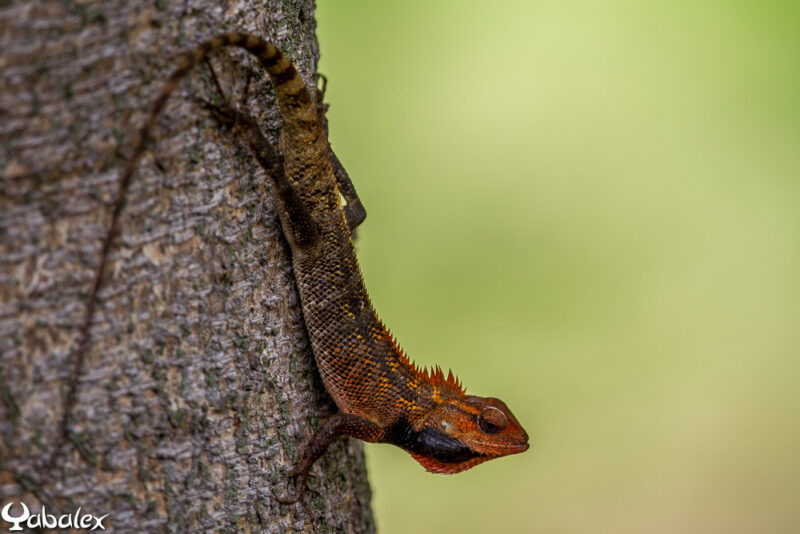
(300, 490)
(224, 114)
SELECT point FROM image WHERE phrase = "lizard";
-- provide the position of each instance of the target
(382, 396)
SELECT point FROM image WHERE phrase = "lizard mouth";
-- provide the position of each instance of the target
(501, 449)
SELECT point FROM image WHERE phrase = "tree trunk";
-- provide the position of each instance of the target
(199, 388)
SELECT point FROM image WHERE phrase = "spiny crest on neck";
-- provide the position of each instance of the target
(433, 376)
(436, 377)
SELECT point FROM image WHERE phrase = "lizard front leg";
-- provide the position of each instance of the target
(338, 424)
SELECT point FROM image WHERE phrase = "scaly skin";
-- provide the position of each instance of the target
(381, 395)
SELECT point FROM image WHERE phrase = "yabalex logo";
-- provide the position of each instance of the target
(43, 520)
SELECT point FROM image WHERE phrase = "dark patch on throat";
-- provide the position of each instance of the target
(430, 443)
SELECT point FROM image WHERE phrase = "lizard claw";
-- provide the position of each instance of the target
(301, 489)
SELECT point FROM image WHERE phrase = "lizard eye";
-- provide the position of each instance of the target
(491, 420)
(446, 426)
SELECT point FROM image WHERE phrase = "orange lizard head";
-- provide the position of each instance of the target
(462, 431)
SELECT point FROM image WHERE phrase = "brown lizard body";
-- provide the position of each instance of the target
(381, 395)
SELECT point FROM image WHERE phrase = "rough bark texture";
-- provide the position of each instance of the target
(200, 386)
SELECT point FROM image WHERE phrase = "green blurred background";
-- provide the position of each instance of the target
(592, 211)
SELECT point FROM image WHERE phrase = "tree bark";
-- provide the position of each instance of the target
(199, 388)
